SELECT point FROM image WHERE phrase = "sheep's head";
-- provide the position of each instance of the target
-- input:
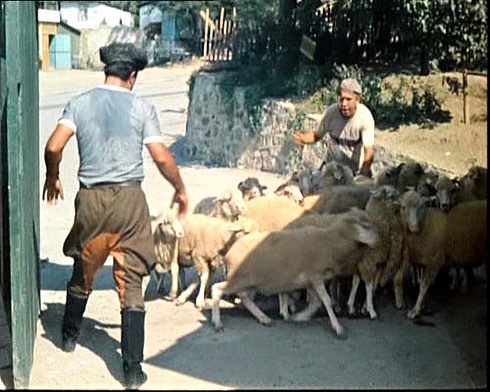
(168, 224)
(445, 189)
(477, 173)
(292, 191)
(412, 210)
(388, 195)
(251, 188)
(337, 174)
(304, 180)
(232, 203)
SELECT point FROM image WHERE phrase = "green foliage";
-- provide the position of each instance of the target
(450, 30)
(294, 158)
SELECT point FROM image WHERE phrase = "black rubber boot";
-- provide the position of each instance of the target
(132, 343)
(72, 319)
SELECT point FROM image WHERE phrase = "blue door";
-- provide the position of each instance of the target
(60, 51)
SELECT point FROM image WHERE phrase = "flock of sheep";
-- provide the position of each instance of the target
(321, 226)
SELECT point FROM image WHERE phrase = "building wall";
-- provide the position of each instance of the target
(45, 30)
(75, 45)
(90, 15)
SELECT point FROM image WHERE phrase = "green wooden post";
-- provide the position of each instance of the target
(22, 173)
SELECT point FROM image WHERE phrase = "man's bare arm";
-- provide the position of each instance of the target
(53, 153)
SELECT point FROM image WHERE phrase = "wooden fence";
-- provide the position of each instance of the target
(218, 35)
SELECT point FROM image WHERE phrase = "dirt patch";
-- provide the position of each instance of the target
(452, 146)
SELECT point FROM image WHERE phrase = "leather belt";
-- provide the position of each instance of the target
(124, 184)
(345, 142)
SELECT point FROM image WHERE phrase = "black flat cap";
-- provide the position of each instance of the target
(124, 52)
(125, 44)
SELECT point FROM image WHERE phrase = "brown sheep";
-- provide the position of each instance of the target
(435, 239)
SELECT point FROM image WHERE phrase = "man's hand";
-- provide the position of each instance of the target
(181, 199)
(52, 190)
(300, 138)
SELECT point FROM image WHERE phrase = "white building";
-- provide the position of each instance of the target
(90, 14)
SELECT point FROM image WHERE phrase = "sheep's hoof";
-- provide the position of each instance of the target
(179, 302)
(373, 316)
(219, 327)
(200, 305)
(299, 317)
(267, 323)
(341, 334)
(412, 314)
(400, 306)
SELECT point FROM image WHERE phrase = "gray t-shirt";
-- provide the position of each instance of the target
(111, 125)
(347, 136)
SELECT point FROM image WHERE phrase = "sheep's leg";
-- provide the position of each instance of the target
(398, 287)
(427, 276)
(314, 304)
(174, 270)
(186, 293)
(319, 287)
(370, 287)
(356, 279)
(254, 309)
(216, 294)
(463, 288)
(284, 305)
(453, 273)
(200, 300)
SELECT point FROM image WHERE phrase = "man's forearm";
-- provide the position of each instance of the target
(52, 161)
(171, 173)
(368, 160)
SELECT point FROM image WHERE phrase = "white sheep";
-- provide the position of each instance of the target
(273, 212)
(229, 206)
(436, 239)
(205, 240)
(286, 260)
(385, 261)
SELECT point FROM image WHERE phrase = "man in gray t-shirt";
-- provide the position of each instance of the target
(349, 127)
(112, 217)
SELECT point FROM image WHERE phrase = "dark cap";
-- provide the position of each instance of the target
(125, 44)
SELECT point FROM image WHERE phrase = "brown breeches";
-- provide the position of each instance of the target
(111, 221)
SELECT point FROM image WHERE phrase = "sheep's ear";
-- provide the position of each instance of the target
(174, 210)
(418, 168)
(429, 201)
(399, 168)
(240, 186)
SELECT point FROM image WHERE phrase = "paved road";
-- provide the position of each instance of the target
(182, 351)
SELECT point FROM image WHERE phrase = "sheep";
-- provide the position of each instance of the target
(205, 240)
(336, 173)
(251, 187)
(293, 191)
(302, 179)
(407, 175)
(386, 260)
(273, 262)
(229, 206)
(449, 193)
(274, 212)
(435, 239)
(340, 198)
(381, 263)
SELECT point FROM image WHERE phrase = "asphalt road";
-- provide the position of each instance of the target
(182, 351)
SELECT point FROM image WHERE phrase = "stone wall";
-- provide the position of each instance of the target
(220, 132)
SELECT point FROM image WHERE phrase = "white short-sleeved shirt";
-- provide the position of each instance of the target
(111, 125)
(347, 136)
